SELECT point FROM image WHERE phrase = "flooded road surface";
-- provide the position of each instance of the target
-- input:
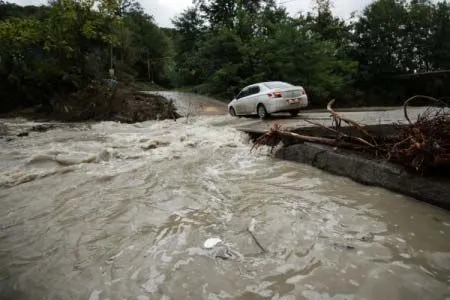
(114, 211)
(189, 104)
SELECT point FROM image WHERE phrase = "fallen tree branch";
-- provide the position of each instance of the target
(405, 104)
(256, 241)
(324, 127)
(250, 230)
(277, 134)
(396, 145)
(419, 147)
(343, 134)
(348, 121)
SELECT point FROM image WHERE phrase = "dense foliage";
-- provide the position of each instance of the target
(224, 44)
(48, 53)
(219, 46)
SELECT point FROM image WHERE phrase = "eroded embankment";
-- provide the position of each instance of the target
(95, 103)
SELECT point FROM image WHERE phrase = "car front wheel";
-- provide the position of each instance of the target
(232, 112)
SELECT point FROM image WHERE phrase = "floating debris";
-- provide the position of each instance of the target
(211, 243)
(251, 231)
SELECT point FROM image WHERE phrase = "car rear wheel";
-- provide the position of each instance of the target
(262, 112)
(232, 112)
(294, 113)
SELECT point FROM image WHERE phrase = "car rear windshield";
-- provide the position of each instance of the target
(278, 85)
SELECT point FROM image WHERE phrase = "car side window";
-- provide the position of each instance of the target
(254, 90)
(243, 93)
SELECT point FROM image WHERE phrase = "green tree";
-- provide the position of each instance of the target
(56, 55)
(147, 48)
(393, 38)
(380, 35)
(258, 41)
(440, 39)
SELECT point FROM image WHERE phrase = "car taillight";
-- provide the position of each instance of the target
(275, 95)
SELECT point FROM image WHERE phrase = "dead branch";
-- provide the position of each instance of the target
(405, 104)
(348, 121)
(250, 230)
(276, 135)
(339, 133)
(324, 127)
(313, 139)
(420, 146)
(256, 241)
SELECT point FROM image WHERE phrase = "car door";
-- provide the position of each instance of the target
(240, 105)
(252, 99)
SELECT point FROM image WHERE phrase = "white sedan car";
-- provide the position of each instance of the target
(265, 98)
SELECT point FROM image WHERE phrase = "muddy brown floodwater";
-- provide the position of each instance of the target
(119, 211)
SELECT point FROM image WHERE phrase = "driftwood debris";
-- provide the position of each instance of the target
(251, 230)
(418, 146)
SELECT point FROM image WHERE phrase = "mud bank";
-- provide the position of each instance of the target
(120, 104)
(369, 171)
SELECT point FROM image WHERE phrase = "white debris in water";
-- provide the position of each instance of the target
(400, 264)
(353, 282)
(211, 242)
(251, 227)
(117, 255)
(400, 240)
(295, 279)
(405, 255)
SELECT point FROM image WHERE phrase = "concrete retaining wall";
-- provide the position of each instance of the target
(369, 171)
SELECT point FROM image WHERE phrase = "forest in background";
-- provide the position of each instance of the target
(218, 46)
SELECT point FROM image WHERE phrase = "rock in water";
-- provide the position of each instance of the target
(211, 242)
